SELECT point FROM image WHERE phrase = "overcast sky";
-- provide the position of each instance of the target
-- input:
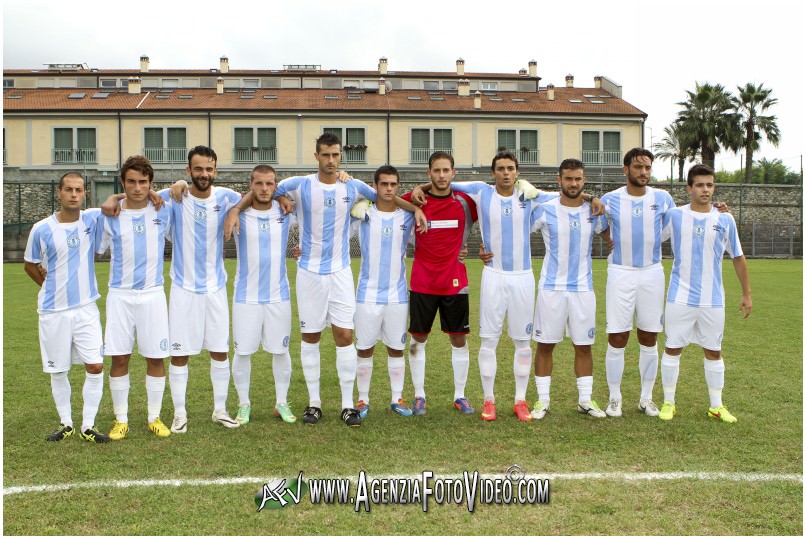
(655, 50)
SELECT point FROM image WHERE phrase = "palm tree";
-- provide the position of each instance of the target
(708, 121)
(750, 105)
(671, 147)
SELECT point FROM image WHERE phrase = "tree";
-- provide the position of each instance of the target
(708, 121)
(750, 105)
(671, 147)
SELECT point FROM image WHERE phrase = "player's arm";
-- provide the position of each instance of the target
(233, 221)
(35, 272)
(740, 266)
(179, 190)
(111, 206)
(418, 193)
(419, 216)
(485, 255)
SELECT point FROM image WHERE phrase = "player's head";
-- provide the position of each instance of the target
(263, 183)
(701, 183)
(387, 182)
(505, 170)
(71, 192)
(328, 153)
(638, 166)
(136, 177)
(571, 178)
(441, 172)
(202, 167)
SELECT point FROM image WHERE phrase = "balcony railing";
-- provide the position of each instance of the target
(591, 157)
(421, 155)
(254, 155)
(354, 155)
(72, 155)
(527, 157)
(166, 155)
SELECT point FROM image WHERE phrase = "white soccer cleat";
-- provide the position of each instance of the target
(180, 424)
(222, 418)
(540, 410)
(649, 408)
(590, 408)
(614, 408)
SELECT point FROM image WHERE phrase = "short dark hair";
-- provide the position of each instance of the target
(137, 163)
(204, 151)
(327, 139)
(70, 174)
(571, 164)
(262, 169)
(699, 170)
(440, 155)
(385, 169)
(637, 152)
(504, 155)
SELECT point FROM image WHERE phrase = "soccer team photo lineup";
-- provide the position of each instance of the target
(383, 307)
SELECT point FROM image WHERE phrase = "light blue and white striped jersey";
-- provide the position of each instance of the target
(568, 235)
(635, 225)
(323, 213)
(384, 237)
(67, 252)
(260, 274)
(505, 224)
(698, 242)
(197, 263)
(136, 241)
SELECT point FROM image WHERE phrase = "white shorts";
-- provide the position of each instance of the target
(71, 336)
(558, 312)
(198, 321)
(510, 295)
(253, 324)
(698, 325)
(634, 292)
(381, 322)
(145, 311)
(324, 300)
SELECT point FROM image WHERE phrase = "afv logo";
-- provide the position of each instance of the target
(280, 495)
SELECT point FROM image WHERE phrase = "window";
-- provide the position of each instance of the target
(72, 145)
(353, 143)
(170, 83)
(449, 85)
(601, 148)
(488, 86)
(431, 85)
(424, 142)
(165, 144)
(8, 83)
(251, 83)
(109, 83)
(521, 142)
(254, 145)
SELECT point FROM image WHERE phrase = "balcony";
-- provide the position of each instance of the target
(166, 155)
(593, 157)
(526, 157)
(72, 156)
(354, 154)
(254, 155)
(421, 155)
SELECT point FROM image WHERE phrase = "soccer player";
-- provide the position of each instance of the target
(382, 297)
(566, 302)
(695, 302)
(136, 300)
(59, 257)
(261, 301)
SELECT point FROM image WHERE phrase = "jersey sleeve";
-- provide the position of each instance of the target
(545, 196)
(666, 232)
(471, 207)
(231, 198)
(363, 190)
(33, 249)
(600, 224)
(536, 218)
(473, 189)
(288, 187)
(101, 235)
(732, 244)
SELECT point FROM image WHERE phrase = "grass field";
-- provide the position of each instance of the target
(764, 388)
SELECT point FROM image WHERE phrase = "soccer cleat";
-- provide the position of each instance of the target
(521, 410)
(400, 408)
(363, 408)
(60, 434)
(222, 418)
(463, 406)
(721, 413)
(613, 408)
(180, 424)
(92, 435)
(159, 428)
(419, 406)
(243, 414)
(284, 412)
(590, 408)
(648, 407)
(119, 430)
(488, 411)
(668, 411)
(351, 417)
(540, 410)
(312, 415)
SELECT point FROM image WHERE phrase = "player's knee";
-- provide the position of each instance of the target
(647, 338)
(94, 368)
(618, 340)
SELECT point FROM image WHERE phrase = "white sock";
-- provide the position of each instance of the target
(119, 388)
(715, 379)
(346, 360)
(460, 359)
(614, 367)
(60, 387)
(242, 377)
(281, 368)
(92, 393)
(522, 366)
(396, 367)
(155, 390)
(543, 384)
(669, 369)
(417, 366)
(178, 378)
(585, 388)
(364, 377)
(487, 367)
(219, 376)
(309, 357)
(648, 368)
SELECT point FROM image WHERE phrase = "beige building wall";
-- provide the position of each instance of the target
(30, 142)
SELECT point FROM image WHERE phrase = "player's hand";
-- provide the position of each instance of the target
(463, 253)
(525, 190)
(232, 223)
(111, 207)
(286, 204)
(485, 255)
(179, 190)
(418, 196)
(421, 221)
(155, 199)
(42, 271)
(721, 207)
(296, 251)
(746, 305)
(597, 208)
(343, 176)
(360, 209)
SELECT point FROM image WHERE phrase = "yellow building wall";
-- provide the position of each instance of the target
(31, 142)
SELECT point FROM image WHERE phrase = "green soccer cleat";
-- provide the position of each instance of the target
(540, 410)
(667, 411)
(721, 413)
(243, 415)
(283, 411)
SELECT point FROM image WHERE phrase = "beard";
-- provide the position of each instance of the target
(202, 187)
(637, 182)
(570, 194)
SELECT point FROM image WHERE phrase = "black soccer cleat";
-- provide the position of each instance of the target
(60, 434)
(351, 417)
(92, 435)
(312, 415)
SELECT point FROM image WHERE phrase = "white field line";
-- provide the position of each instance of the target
(594, 476)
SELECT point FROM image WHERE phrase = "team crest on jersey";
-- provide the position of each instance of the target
(164, 345)
(386, 231)
(574, 225)
(591, 333)
(529, 328)
(285, 341)
(507, 210)
(73, 241)
(637, 211)
(263, 226)
(699, 230)
(139, 228)
(330, 202)
(200, 214)
(403, 338)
